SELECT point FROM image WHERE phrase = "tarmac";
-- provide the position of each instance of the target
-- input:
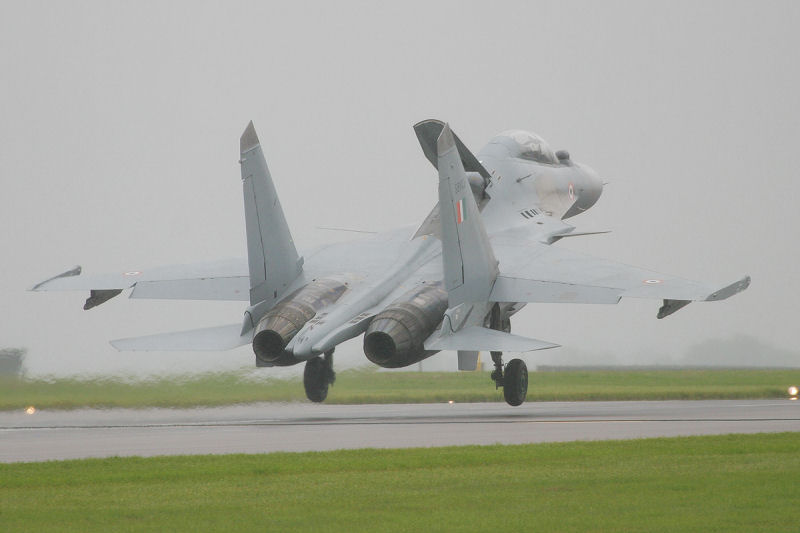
(298, 427)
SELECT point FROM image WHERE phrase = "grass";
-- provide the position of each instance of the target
(369, 386)
(720, 483)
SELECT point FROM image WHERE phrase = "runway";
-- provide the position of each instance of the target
(264, 428)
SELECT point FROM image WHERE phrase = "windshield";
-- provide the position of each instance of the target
(530, 146)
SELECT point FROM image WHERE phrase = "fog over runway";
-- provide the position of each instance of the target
(264, 428)
(121, 127)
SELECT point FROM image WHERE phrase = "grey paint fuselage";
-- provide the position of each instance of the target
(514, 182)
(516, 193)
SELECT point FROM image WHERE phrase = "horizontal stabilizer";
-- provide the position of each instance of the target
(477, 338)
(202, 340)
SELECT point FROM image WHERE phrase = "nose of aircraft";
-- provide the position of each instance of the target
(592, 187)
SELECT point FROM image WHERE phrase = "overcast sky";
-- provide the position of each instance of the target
(119, 144)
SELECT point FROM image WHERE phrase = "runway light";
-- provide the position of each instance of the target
(793, 391)
(451, 402)
(30, 410)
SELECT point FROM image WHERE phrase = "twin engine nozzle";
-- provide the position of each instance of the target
(394, 338)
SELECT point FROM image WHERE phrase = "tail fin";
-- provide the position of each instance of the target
(428, 131)
(470, 267)
(272, 256)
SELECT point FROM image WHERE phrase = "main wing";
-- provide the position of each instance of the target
(226, 279)
(219, 280)
(536, 272)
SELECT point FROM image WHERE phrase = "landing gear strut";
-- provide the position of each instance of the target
(514, 379)
(317, 376)
(497, 374)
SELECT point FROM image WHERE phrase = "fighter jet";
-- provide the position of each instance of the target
(484, 252)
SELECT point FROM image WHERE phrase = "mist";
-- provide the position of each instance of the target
(119, 148)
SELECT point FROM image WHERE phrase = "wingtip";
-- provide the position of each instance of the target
(249, 139)
(74, 271)
(734, 288)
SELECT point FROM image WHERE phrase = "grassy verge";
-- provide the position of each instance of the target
(369, 386)
(721, 483)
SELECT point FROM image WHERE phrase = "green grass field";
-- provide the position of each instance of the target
(722, 483)
(370, 386)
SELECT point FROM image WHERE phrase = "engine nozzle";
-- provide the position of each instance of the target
(281, 323)
(395, 336)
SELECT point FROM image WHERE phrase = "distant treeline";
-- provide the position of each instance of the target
(11, 360)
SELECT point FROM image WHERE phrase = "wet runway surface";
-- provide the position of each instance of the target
(263, 428)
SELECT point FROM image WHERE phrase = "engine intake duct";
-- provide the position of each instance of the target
(282, 322)
(395, 336)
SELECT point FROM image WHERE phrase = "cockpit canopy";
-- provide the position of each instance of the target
(527, 145)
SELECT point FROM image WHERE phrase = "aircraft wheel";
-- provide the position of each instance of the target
(515, 383)
(316, 379)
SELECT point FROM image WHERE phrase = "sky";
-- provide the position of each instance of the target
(119, 145)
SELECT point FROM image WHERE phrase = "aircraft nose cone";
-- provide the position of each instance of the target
(592, 188)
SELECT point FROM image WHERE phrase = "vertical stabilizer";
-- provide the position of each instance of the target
(470, 267)
(272, 256)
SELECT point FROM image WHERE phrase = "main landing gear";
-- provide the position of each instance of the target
(317, 376)
(514, 379)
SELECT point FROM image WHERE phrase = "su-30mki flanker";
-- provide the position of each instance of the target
(485, 250)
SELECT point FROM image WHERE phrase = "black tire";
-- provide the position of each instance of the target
(515, 384)
(315, 380)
